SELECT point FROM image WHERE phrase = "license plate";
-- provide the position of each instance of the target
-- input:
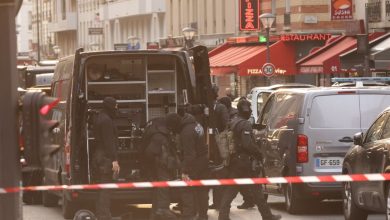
(329, 162)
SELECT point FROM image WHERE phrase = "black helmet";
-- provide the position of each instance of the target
(109, 104)
(244, 108)
(84, 215)
(226, 101)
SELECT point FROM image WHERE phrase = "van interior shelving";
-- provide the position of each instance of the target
(144, 87)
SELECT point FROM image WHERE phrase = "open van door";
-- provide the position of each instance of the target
(203, 92)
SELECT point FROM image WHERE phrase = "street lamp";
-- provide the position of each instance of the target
(133, 43)
(189, 34)
(57, 50)
(94, 46)
(267, 19)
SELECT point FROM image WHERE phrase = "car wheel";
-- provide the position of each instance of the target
(32, 198)
(69, 208)
(351, 211)
(293, 204)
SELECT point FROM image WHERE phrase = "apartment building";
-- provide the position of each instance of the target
(43, 40)
(131, 22)
(63, 25)
(24, 27)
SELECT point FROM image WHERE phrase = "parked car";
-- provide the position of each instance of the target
(370, 154)
(307, 132)
(258, 95)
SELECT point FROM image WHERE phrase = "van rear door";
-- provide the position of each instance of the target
(333, 119)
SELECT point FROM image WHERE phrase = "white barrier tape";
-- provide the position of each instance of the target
(211, 182)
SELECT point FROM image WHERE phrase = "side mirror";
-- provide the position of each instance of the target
(358, 139)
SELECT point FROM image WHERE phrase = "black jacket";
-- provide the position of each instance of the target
(221, 116)
(106, 135)
(193, 146)
(243, 137)
(156, 135)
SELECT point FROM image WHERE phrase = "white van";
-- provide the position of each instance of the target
(259, 95)
(307, 132)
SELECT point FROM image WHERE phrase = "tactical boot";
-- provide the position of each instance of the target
(164, 214)
(273, 217)
(246, 205)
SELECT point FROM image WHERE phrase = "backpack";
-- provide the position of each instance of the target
(226, 144)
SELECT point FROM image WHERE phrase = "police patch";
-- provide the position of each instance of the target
(199, 130)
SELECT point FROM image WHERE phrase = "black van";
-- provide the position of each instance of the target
(146, 84)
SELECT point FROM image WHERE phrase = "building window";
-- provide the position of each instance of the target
(374, 11)
(63, 9)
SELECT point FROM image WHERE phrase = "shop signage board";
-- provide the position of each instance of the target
(95, 31)
(249, 15)
(341, 10)
(121, 47)
(305, 37)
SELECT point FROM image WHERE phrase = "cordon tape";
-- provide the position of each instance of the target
(208, 182)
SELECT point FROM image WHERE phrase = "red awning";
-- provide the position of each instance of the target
(247, 59)
(326, 59)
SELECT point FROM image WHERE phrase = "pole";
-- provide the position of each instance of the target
(367, 54)
(10, 204)
(268, 52)
(38, 34)
(268, 56)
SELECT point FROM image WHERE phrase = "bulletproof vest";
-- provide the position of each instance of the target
(237, 129)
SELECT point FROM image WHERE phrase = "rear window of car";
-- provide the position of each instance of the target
(371, 106)
(335, 111)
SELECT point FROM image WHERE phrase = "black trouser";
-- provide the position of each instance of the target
(103, 202)
(218, 190)
(161, 197)
(195, 200)
(247, 196)
(242, 168)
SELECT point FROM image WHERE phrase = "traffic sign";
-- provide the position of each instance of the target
(268, 69)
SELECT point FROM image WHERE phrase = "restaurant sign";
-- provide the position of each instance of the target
(341, 10)
(305, 37)
(249, 15)
(259, 71)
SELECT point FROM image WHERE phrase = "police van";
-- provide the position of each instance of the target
(146, 84)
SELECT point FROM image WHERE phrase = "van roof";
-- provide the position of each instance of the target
(108, 52)
(329, 90)
(281, 86)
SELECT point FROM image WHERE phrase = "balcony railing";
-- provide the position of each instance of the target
(68, 24)
(374, 11)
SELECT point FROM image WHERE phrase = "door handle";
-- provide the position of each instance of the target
(346, 139)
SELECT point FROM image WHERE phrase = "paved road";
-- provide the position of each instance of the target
(330, 210)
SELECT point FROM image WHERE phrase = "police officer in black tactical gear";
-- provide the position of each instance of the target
(105, 159)
(194, 166)
(241, 164)
(161, 162)
(246, 194)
